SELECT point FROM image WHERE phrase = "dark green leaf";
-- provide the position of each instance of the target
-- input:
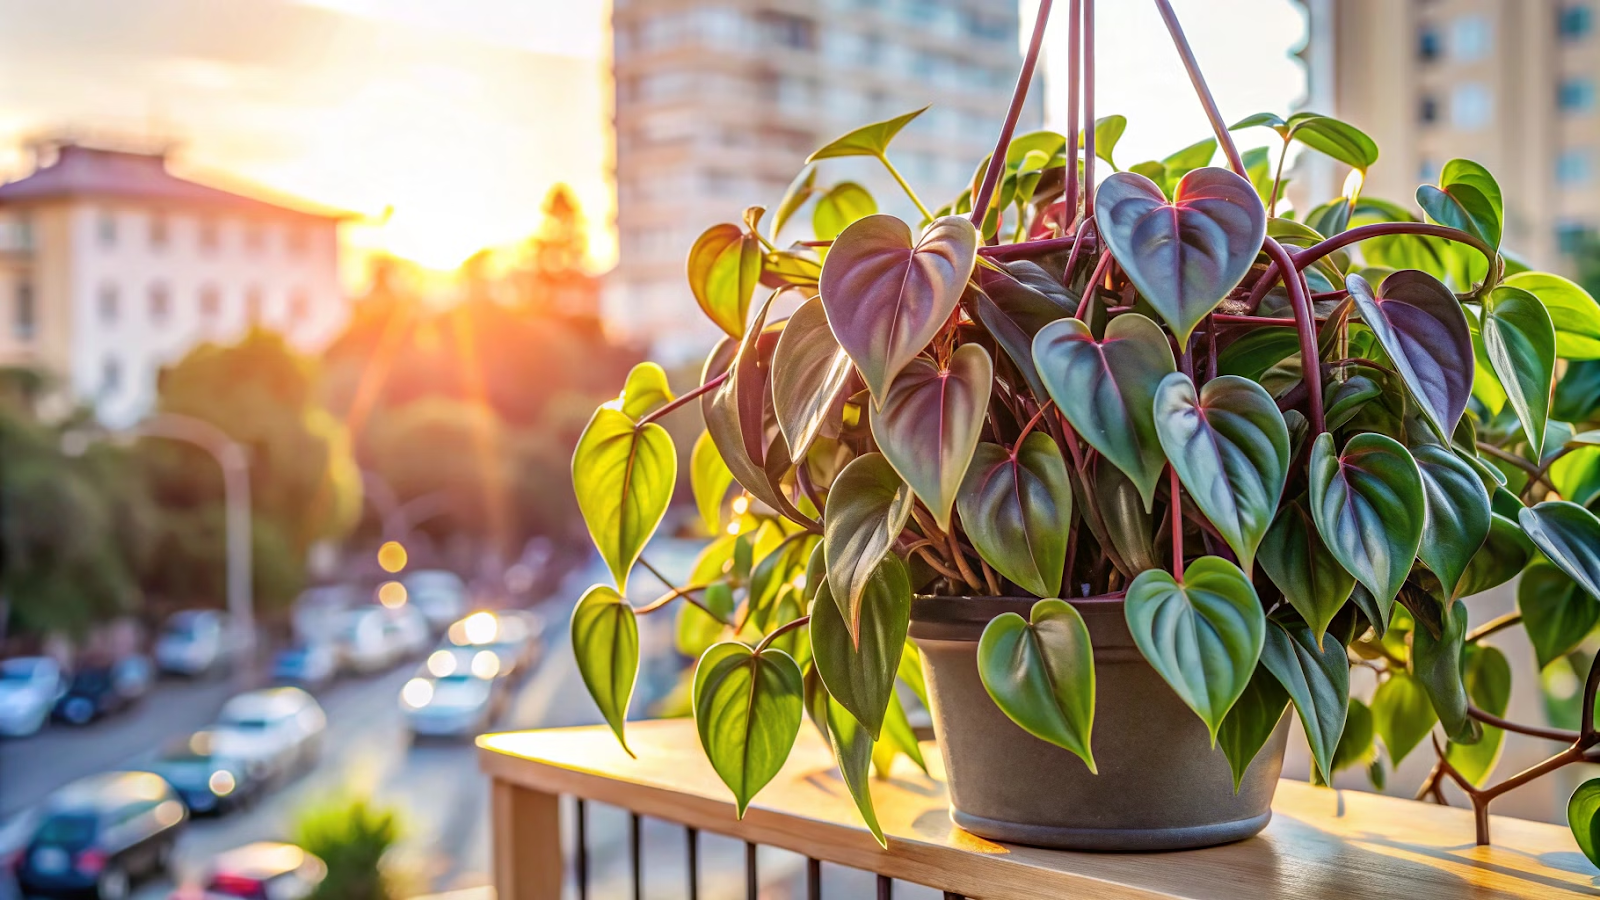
(747, 710)
(1318, 681)
(809, 371)
(868, 508)
(1421, 327)
(623, 476)
(1344, 399)
(1376, 613)
(1298, 562)
(1569, 536)
(605, 644)
(1488, 679)
(773, 573)
(1257, 351)
(1251, 721)
(1017, 510)
(840, 205)
(1368, 506)
(1402, 714)
(928, 421)
(868, 140)
(852, 749)
(1556, 613)
(1437, 665)
(1521, 344)
(1583, 817)
(1355, 744)
(1573, 312)
(1467, 199)
(1499, 560)
(1013, 307)
(724, 267)
(859, 670)
(1040, 672)
(1457, 513)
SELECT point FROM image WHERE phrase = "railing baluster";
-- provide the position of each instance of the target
(635, 851)
(813, 879)
(752, 883)
(885, 888)
(952, 895)
(693, 836)
(580, 859)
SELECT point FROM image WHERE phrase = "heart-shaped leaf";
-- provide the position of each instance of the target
(774, 572)
(1014, 305)
(1520, 341)
(1437, 664)
(1230, 447)
(840, 205)
(1251, 721)
(1573, 312)
(1569, 536)
(886, 297)
(1456, 520)
(1467, 198)
(1556, 613)
(605, 643)
(868, 140)
(1204, 636)
(1106, 389)
(809, 371)
(1186, 255)
(1501, 557)
(1318, 681)
(724, 268)
(1369, 508)
(1107, 132)
(928, 421)
(1340, 140)
(1017, 510)
(795, 196)
(747, 709)
(867, 507)
(1299, 563)
(899, 739)
(645, 390)
(709, 479)
(1583, 817)
(1421, 327)
(1402, 714)
(1040, 672)
(623, 475)
(1487, 675)
(852, 749)
(1257, 351)
(860, 673)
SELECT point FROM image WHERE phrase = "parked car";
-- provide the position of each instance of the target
(366, 642)
(512, 634)
(459, 691)
(318, 612)
(308, 665)
(275, 731)
(439, 593)
(261, 871)
(206, 782)
(194, 642)
(132, 675)
(409, 630)
(29, 688)
(100, 835)
(92, 693)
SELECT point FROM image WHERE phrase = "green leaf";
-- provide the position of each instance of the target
(1040, 672)
(1576, 475)
(840, 205)
(1556, 613)
(1583, 817)
(1189, 158)
(736, 412)
(1106, 389)
(1520, 341)
(645, 391)
(1257, 351)
(868, 507)
(1230, 447)
(1017, 509)
(1204, 636)
(1355, 744)
(1340, 140)
(1437, 665)
(1345, 399)
(1456, 520)
(886, 297)
(1575, 314)
(1499, 560)
(868, 140)
(1375, 612)
(1402, 714)
(605, 644)
(710, 479)
(799, 191)
(1318, 681)
(1013, 306)
(859, 669)
(809, 372)
(1467, 199)
(1187, 255)
(1422, 329)
(1270, 120)
(774, 573)
(623, 475)
(1569, 536)
(852, 749)
(928, 421)
(724, 268)
(1251, 721)
(696, 630)
(1300, 565)
(1368, 506)
(1488, 679)
(1107, 132)
(747, 709)
(899, 738)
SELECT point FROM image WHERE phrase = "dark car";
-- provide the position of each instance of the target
(207, 783)
(263, 871)
(92, 693)
(99, 835)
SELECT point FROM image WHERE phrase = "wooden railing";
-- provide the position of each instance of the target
(1322, 843)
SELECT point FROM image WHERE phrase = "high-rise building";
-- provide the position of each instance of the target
(1511, 84)
(718, 103)
(111, 267)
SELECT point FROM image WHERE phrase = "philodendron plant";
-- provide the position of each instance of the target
(1289, 441)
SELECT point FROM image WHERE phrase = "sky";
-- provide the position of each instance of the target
(443, 123)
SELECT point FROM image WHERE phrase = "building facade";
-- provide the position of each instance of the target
(111, 267)
(1511, 84)
(718, 103)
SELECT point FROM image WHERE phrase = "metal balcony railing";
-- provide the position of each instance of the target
(1321, 842)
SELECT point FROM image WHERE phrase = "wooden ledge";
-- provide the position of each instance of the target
(1322, 843)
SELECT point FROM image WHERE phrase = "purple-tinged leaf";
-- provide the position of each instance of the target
(1368, 505)
(928, 424)
(1017, 509)
(809, 372)
(1570, 536)
(1424, 331)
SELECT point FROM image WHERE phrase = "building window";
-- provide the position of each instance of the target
(106, 228)
(1575, 21)
(110, 375)
(1470, 106)
(1428, 43)
(252, 305)
(1575, 95)
(1573, 236)
(109, 303)
(254, 237)
(299, 307)
(209, 238)
(790, 31)
(160, 302)
(1428, 170)
(297, 240)
(1428, 110)
(1575, 167)
(158, 231)
(25, 317)
(210, 302)
(1470, 38)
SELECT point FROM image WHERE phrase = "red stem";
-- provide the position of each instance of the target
(1356, 235)
(1224, 138)
(1031, 422)
(997, 162)
(1306, 324)
(682, 399)
(1091, 285)
(1088, 109)
(1177, 525)
(1029, 248)
(1069, 209)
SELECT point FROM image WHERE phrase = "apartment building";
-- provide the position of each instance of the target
(718, 103)
(111, 267)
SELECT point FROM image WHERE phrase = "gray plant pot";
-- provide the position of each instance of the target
(1161, 785)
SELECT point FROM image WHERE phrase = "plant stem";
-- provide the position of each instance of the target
(1087, 41)
(884, 158)
(1534, 474)
(928, 549)
(683, 399)
(1032, 248)
(1305, 323)
(1093, 284)
(1499, 623)
(1031, 422)
(1224, 138)
(1069, 207)
(1550, 734)
(1262, 321)
(1019, 95)
(668, 597)
(1356, 235)
(1277, 179)
(1078, 240)
(967, 575)
(781, 630)
(1177, 524)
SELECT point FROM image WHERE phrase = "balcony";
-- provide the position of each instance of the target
(1321, 843)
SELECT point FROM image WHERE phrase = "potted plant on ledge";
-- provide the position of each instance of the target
(1136, 463)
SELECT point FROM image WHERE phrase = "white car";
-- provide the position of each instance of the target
(29, 687)
(194, 642)
(274, 731)
(366, 641)
(439, 593)
(409, 630)
(459, 691)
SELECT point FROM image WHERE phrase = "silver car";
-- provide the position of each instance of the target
(458, 692)
(29, 687)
